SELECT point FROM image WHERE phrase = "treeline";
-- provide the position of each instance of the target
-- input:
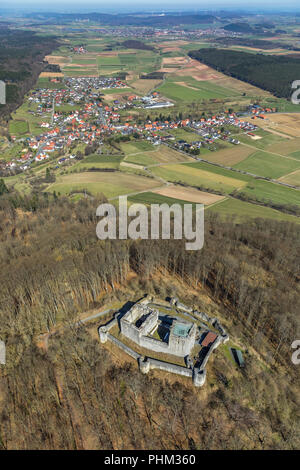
(263, 71)
(153, 76)
(257, 43)
(135, 44)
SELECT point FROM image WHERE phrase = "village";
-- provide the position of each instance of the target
(77, 113)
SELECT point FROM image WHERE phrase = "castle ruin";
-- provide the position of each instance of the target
(147, 325)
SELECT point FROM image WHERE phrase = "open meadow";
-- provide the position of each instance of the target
(111, 184)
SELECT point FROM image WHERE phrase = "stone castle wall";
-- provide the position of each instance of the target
(179, 346)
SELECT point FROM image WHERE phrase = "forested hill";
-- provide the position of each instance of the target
(71, 393)
(21, 61)
(269, 72)
(122, 20)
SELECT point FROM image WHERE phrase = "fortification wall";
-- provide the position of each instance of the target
(173, 368)
(123, 346)
(131, 331)
(153, 344)
(213, 346)
(178, 346)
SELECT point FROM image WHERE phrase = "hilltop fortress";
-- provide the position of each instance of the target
(187, 334)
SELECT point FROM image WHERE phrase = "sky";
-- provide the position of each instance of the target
(115, 6)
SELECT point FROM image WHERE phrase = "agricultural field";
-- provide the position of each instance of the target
(286, 123)
(192, 86)
(18, 127)
(245, 210)
(271, 192)
(189, 195)
(25, 122)
(99, 162)
(267, 164)
(137, 147)
(266, 139)
(286, 148)
(292, 178)
(111, 184)
(198, 176)
(228, 156)
(144, 86)
(180, 91)
(146, 154)
(183, 134)
(45, 82)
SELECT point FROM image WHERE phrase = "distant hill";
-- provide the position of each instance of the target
(120, 20)
(239, 28)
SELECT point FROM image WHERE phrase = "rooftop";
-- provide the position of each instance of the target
(181, 329)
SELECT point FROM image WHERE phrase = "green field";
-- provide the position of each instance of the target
(144, 159)
(246, 210)
(177, 92)
(269, 165)
(182, 134)
(153, 198)
(108, 61)
(111, 184)
(128, 59)
(134, 147)
(18, 127)
(199, 177)
(267, 139)
(115, 91)
(295, 155)
(204, 85)
(271, 192)
(98, 161)
(44, 82)
(212, 177)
